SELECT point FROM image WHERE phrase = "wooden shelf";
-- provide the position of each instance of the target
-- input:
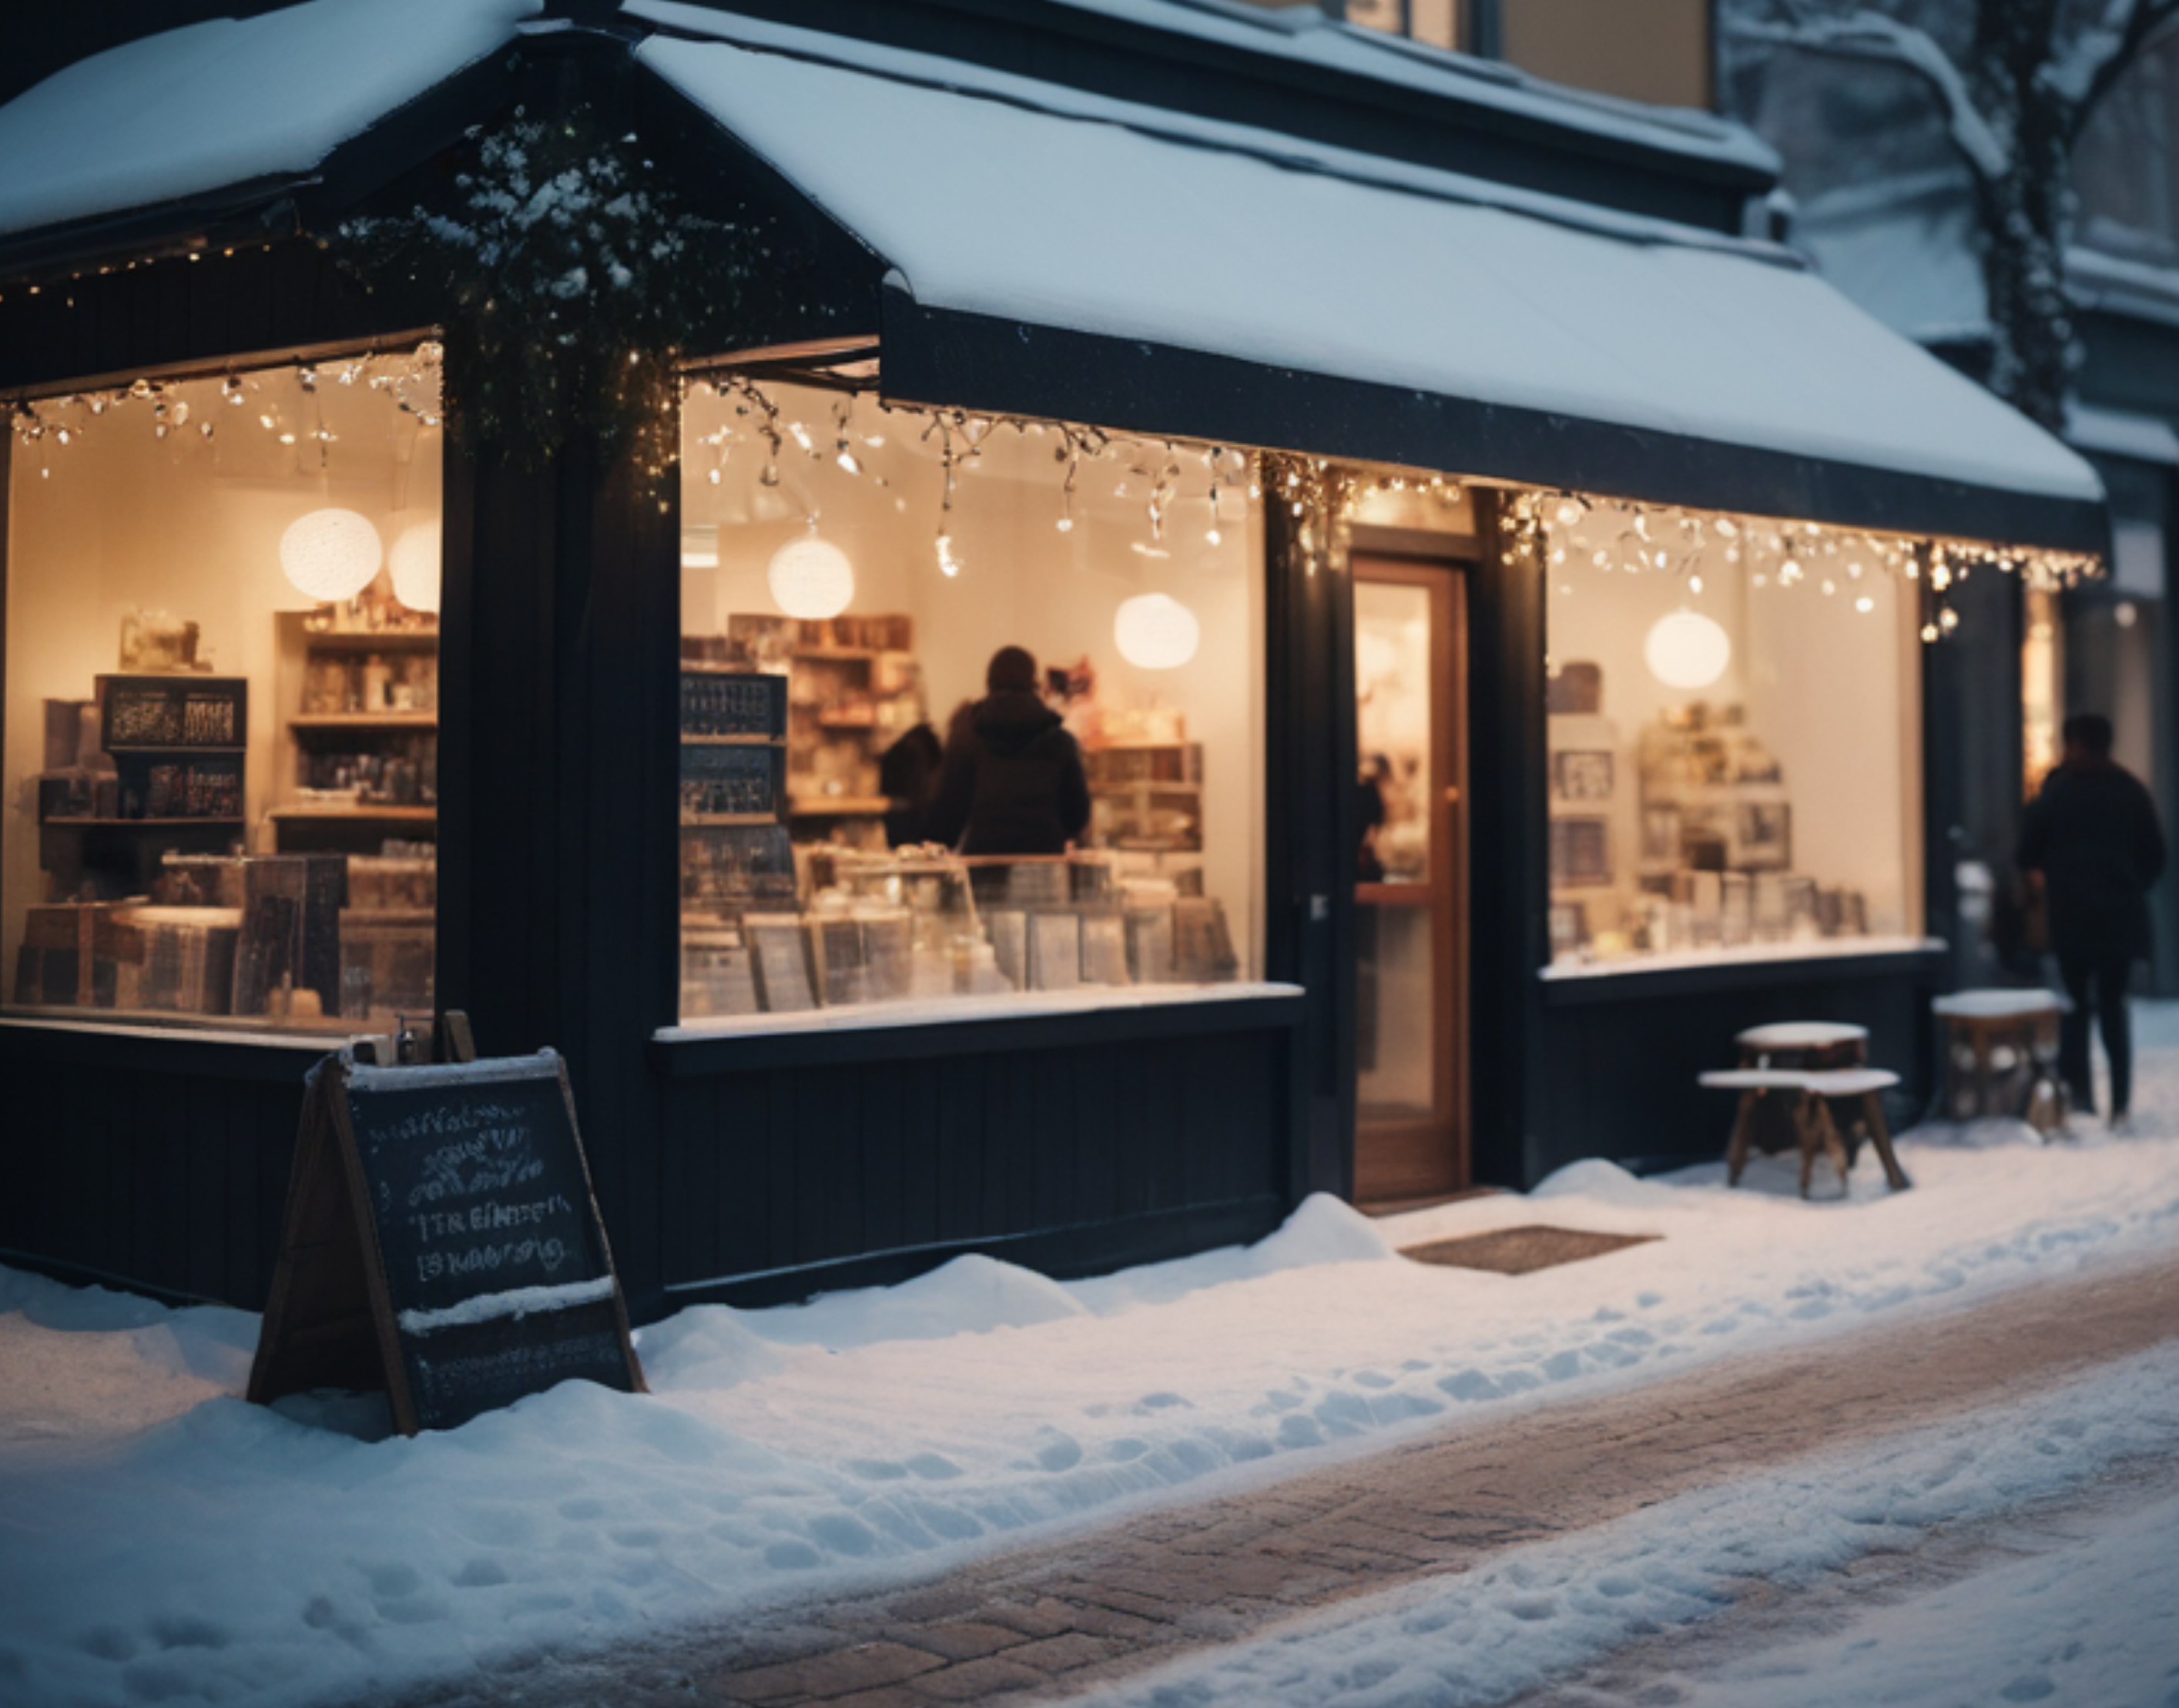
(708, 821)
(365, 641)
(364, 720)
(838, 806)
(407, 815)
(129, 823)
(734, 741)
(183, 749)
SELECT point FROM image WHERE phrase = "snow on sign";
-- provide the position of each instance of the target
(442, 1242)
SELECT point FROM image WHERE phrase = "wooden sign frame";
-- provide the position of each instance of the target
(336, 1317)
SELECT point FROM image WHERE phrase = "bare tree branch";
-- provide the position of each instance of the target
(1872, 35)
(2088, 70)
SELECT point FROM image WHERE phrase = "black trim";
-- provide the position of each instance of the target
(160, 1050)
(684, 1057)
(1636, 985)
(978, 362)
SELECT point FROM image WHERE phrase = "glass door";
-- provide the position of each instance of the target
(1410, 664)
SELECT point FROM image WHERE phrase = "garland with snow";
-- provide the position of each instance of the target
(569, 277)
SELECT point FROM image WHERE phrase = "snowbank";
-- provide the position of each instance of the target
(159, 1537)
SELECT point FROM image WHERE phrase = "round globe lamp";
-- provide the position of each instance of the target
(414, 565)
(331, 554)
(1155, 632)
(810, 578)
(1687, 650)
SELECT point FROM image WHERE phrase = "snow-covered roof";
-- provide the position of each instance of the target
(1303, 37)
(2122, 433)
(215, 105)
(1045, 207)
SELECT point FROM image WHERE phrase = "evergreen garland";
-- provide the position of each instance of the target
(570, 279)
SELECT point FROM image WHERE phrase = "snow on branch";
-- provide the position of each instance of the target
(1873, 35)
(2085, 72)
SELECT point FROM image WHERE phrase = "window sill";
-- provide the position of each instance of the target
(898, 1030)
(210, 1051)
(1827, 960)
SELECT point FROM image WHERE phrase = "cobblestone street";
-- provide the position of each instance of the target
(1052, 1621)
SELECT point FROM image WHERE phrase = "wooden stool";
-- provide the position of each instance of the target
(1805, 1101)
(2001, 1057)
(1806, 1046)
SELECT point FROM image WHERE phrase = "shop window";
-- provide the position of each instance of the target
(222, 681)
(1734, 726)
(970, 710)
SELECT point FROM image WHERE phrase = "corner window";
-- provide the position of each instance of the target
(222, 690)
(970, 710)
(1734, 727)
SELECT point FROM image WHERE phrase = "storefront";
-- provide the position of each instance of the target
(1151, 667)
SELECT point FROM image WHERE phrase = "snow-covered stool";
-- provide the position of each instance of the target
(1810, 1046)
(2001, 1057)
(1805, 1099)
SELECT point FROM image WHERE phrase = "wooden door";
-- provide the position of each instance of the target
(1411, 881)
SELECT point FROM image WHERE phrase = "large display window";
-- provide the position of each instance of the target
(971, 711)
(1734, 716)
(221, 704)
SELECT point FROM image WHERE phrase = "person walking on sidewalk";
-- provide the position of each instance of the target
(2091, 843)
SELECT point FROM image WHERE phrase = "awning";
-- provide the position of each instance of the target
(1060, 253)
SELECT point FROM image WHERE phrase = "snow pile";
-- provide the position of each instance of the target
(1535, 1613)
(157, 1536)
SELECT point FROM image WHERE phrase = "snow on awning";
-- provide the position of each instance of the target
(1060, 253)
(2122, 433)
(214, 106)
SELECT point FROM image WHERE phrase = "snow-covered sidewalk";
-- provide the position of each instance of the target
(161, 1539)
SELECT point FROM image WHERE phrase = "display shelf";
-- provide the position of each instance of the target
(838, 807)
(732, 741)
(368, 641)
(406, 815)
(707, 821)
(131, 823)
(169, 749)
(425, 721)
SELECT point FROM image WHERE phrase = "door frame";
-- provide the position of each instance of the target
(1440, 564)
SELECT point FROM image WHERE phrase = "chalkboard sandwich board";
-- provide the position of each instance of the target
(441, 1242)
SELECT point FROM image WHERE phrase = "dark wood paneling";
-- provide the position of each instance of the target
(1627, 1050)
(839, 1175)
(169, 1183)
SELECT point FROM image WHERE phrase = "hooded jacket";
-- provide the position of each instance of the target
(2094, 835)
(1013, 781)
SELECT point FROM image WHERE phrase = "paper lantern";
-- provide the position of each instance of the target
(331, 554)
(1155, 632)
(1687, 650)
(413, 564)
(811, 578)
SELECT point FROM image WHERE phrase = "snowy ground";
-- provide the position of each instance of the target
(160, 1540)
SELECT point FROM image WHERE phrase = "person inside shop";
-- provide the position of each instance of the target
(2091, 843)
(1012, 781)
(908, 777)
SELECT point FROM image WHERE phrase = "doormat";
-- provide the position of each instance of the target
(1523, 1250)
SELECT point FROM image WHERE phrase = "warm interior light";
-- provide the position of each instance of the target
(413, 564)
(331, 554)
(811, 578)
(1687, 650)
(1155, 632)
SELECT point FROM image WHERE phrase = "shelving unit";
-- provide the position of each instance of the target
(852, 691)
(394, 749)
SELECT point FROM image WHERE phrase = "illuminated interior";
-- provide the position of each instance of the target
(848, 573)
(223, 697)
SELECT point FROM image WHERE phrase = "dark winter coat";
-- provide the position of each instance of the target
(1013, 781)
(2094, 835)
